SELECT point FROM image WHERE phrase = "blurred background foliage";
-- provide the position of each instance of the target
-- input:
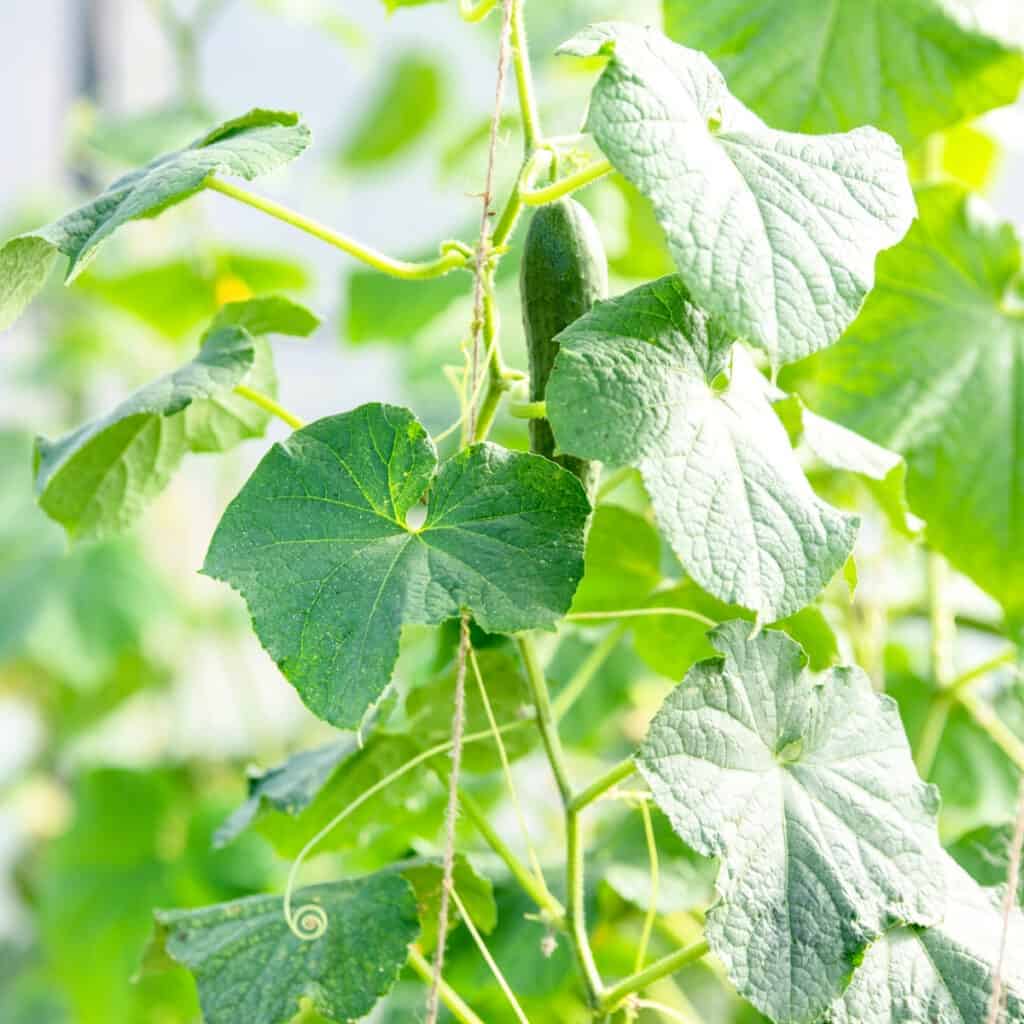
(133, 696)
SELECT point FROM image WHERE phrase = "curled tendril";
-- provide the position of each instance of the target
(308, 922)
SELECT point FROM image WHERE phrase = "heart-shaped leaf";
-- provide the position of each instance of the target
(319, 545)
(649, 380)
(804, 787)
(773, 232)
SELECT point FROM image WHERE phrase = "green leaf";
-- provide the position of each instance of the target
(942, 974)
(246, 147)
(294, 801)
(248, 963)
(908, 68)
(430, 710)
(884, 472)
(97, 479)
(672, 644)
(775, 233)
(621, 858)
(932, 368)
(622, 562)
(404, 109)
(178, 296)
(639, 380)
(475, 891)
(289, 787)
(985, 855)
(805, 788)
(319, 545)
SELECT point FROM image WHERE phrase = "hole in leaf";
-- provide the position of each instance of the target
(416, 517)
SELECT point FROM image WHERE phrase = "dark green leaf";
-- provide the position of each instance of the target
(248, 963)
(319, 545)
(985, 855)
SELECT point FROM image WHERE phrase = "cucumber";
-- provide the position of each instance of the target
(563, 271)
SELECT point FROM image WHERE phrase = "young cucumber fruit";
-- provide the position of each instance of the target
(564, 270)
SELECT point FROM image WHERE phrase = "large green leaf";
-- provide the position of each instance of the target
(246, 147)
(249, 965)
(804, 786)
(934, 368)
(319, 545)
(97, 479)
(910, 68)
(942, 974)
(649, 380)
(775, 233)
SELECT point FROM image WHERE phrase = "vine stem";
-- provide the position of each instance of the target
(269, 405)
(615, 995)
(524, 79)
(652, 898)
(581, 678)
(451, 816)
(451, 999)
(567, 185)
(454, 255)
(634, 613)
(575, 907)
(492, 965)
(996, 1000)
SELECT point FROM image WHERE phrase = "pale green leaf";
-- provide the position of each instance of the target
(403, 110)
(319, 545)
(943, 974)
(804, 787)
(97, 479)
(773, 232)
(672, 644)
(911, 67)
(647, 379)
(984, 854)
(933, 368)
(475, 891)
(622, 562)
(883, 471)
(245, 147)
(249, 965)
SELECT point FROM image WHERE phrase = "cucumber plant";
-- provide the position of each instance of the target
(779, 828)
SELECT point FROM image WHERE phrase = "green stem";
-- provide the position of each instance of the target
(267, 403)
(474, 12)
(454, 255)
(570, 693)
(633, 613)
(528, 410)
(497, 381)
(545, 716)
(652, 898)
(998, 732)
(567, 185)
(575, 904)
(600, 786)
(614, 996)
(451, 999)
(533, 887)
(524, 79)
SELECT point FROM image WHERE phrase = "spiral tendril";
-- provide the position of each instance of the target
(308, 922)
